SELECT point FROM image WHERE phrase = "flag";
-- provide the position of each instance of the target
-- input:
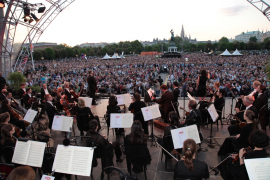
(25, 59)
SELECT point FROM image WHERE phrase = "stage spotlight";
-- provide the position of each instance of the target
(35, 17)
(26, 11)
(31, 20)
(41, 9)
(2, 4)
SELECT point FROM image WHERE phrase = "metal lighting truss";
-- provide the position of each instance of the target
(261, 6)
(37, 30)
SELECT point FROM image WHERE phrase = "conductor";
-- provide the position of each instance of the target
(92, 86)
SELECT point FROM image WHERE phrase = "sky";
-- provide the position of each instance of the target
(95, 21)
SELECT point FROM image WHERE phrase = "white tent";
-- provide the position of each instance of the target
(226, 53)
(106, 56)
(115, 56)
(122, 55)
(237, 53)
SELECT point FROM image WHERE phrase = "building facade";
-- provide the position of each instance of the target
(244, 37)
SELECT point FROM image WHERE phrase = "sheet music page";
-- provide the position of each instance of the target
(213, 113)
(63, 159)
(82, 161)
(88, 101)
(155, 111)
(258, 169)
(179, 136)
(127, 120)
(67, 123)
(36, 153)
(190, 97)
(127, 98)
(45, 177)
(147, 115)
(21, 152)
(192, 133)
(57, 123)
(120, 100)
(30, 115)
(116, 120)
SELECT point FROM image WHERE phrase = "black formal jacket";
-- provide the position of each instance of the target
(242, 140)
(26, 97)
(254, 109)
(193, 117)
(21, 93)
(200, 170)
(136, 106)
(176, 93)
(68, 95)
(239, 104)
(2, 97)
(50, 110)
(83, 118)
(92, 83)
(261, 101)
(43, 93)
(166, 99)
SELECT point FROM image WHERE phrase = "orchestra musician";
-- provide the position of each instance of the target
(27, 97)
(176, 93)
(57, 99)
(44, 91)
(136, 106)
(213, 94)
(194, 116)
(189, 167)
(67, 92)
(92, 86)
(14, 103)
(21, 92)
(3, 95)
(50, 109)
(106, 148)
(256, 87)
(261, 103)
(219, 102)
(4, 119)
(22, 173)
(232, 144)
(7, 140)
(201, 84)
(257, 139)
(248, 102)
(239, 108)
(15, 118)
(166, 101)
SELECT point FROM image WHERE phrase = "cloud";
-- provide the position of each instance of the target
(233, 11)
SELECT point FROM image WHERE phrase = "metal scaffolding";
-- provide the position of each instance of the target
(8, 25)
(261, 6)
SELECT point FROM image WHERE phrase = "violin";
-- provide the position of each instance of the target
(236, 158)
(177, 153)
(187, 112)
(65, 103)
(239, 122)
(74, 94)
(32, 99)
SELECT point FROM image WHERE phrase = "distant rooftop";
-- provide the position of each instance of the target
(249, 33)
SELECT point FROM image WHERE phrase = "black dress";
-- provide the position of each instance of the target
(200, 170)
(83, 118)
(202, 87)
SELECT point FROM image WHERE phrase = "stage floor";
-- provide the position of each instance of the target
(156, 170)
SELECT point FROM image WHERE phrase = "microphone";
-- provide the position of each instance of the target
(66, 142)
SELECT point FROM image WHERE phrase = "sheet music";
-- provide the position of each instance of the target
(178, 137)
(155, 111)
(147, 115)
(21, 152)
(45, 177)
(213, 113)
(190, 97)
(258, 169)
(30, 115)
(35, 157)
(29, 153)
(127, 120)
(67, 123)
(88, 101)
(181, 134)
(127, 98)
(192, 133)
(116, 120)
(120, 100)
(73, 160)
(81, 163)
(62, 159)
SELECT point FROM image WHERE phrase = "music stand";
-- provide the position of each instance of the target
(152, 135)
(212, 111)
(231, 114)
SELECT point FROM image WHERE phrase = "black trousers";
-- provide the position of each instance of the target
(92, 94)
(234, 129)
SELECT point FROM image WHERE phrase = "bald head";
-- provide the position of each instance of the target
(248, 100)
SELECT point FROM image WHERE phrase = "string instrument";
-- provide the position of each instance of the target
(236, 158)
(17, 106)
(177, 153)
(160, 125)
(32, 99)
(187, 112)
(213, 97)
(16, 115)
(74, 94)
(239, 122)
(65, 103)
(166, 151)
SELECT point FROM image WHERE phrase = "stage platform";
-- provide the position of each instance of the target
(156, 170)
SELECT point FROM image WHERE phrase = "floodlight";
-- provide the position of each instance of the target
(2, 4)
(35, 17)
(41, 9)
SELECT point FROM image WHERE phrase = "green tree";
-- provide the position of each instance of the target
(253, 39)
(251, 45)
(223, 46)
(267, 45)
(104, 50)
(99, 53)
(178, 40)
(130, 50)
(200, 46)
(230, 46)
(82, 51)
(91, 52)
(59, 47)
(192, 47)
(242, 46)
(51, 54)
(45, 54)
(37, 54)
(57, 54)
(266, 39)
(236, 45)
(148, 48)
(63, 53)
(16, 79)
(208, 47)
(215, 46)
(224, 40)
(138, 50)
(77, 51)
(70, 52)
